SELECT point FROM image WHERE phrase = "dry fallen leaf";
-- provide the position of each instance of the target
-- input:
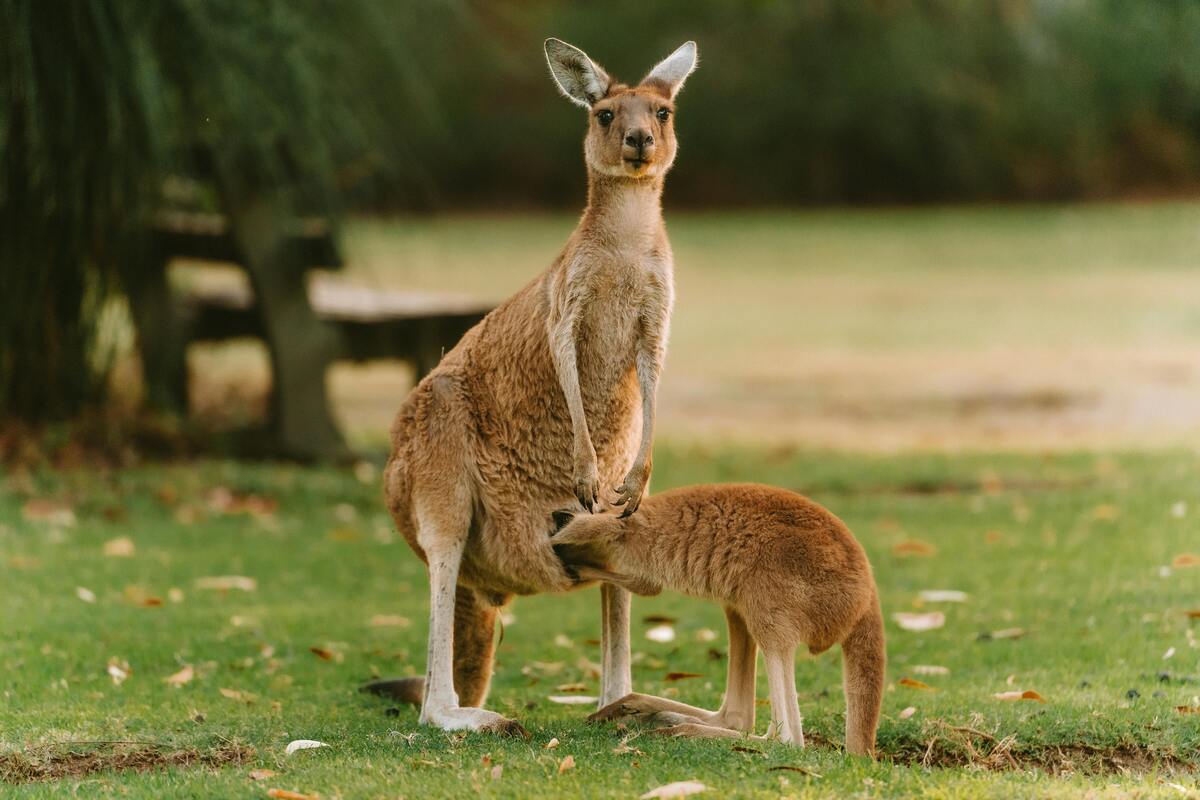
(224, 583)
(184, 675)
(661, 633)
(1105, 512)
(1007, 633)
(287, 794)
(121, 547)
(497, 772)
(676, 789)
(245, 697)
(303, 744)
(930, 669)
(566, 764)
(550, 745)
(912, 683)
(118, 669)
(913, 547)
(942, 596)
(321, 653)
(86, 595)
(571, 687)
(50, 512)
(919, 622)
(706, 635)
(1193, 613)
(390, 620)
(908, 712)
(1188, 709)
(1028, 694)
(659, 619)
(175, 594)
(1184, 560)
(572, 699)
(262, 774)
(679, 676)
(151, 602)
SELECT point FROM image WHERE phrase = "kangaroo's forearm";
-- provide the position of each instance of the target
(563, 352)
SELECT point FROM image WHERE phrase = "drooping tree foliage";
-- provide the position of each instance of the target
(101, 100)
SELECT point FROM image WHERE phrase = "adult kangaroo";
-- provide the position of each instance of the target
(550, 398)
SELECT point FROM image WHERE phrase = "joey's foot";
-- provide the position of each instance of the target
(404, 690)
(629, 494)
(645, 709)
(695, 730)
(451, 718)
(587, 485)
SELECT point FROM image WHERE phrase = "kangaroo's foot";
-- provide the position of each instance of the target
(457, 718)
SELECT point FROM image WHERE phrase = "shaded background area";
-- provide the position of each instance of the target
(433, 138)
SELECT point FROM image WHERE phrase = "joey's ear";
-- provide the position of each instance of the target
(580, 79)
(672, 71)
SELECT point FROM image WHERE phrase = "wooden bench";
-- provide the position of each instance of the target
(306, 321)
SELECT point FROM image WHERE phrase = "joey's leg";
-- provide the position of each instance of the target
(736, 712)
(785, 709)
(616, 678)
(443, 538)
(738, 708)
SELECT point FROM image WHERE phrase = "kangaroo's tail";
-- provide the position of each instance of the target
(864, 657)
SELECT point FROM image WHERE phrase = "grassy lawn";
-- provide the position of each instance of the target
(1072, 549)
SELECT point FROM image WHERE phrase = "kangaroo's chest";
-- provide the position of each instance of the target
(623, 289)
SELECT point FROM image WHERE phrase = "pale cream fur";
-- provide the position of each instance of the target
(550, 398)
(786, 570)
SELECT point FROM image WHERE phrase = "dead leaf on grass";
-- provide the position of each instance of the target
(1185, 560)
(1003, 633)
(118, 669)
(706, 635)
(942, 596)
(680, 676)
(1193, 613)
(661, 633)
(1188, 709)
(571, 687)
(88, 596)
(913, 548)
(121, 547)
(566, 764)
(908, 712)
(913, 683)
(919, 622)
(322, 653)
(225, 583)
(288, 794)
(390, 621)
(262, 774)
(550, 745)
(181, 677)
(930, 669)
(1105, 512)
(243, 697)
(1028, 694)
(302, 744)
(737, 748)
(572, 699)
(50, 512)
(676, 789)
(659, 619)
(792, 768)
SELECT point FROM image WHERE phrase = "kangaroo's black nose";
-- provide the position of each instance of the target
(639, 139)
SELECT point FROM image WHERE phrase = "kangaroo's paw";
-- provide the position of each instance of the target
(695, 730)
(644, 708)
(472, 719)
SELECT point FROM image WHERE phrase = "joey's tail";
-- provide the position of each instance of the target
(864, 657)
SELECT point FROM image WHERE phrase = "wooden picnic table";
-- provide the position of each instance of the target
(306, 321)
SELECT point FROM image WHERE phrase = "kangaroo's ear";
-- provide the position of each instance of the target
(580, 79)
(672, 71)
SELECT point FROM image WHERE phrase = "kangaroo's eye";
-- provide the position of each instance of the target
(605, 117)
(664, 114)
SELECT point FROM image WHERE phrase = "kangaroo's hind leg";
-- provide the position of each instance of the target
(785, 709)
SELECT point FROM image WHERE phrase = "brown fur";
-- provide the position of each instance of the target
(785, 568)
(550, 398)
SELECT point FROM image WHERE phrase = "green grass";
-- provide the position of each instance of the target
(1070, 548)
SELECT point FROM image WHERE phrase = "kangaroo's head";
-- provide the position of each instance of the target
(631, 129)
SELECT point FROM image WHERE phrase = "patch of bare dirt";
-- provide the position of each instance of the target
(76, 759)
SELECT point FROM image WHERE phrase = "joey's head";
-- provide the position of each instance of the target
(631, 129)
(582, 539)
